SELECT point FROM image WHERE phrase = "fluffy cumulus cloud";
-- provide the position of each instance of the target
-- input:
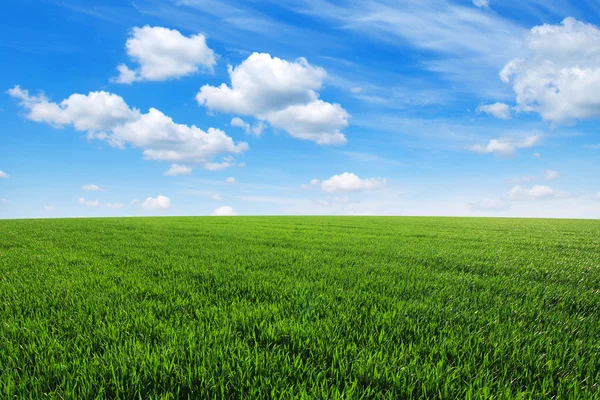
(176, 169)
(498, 110)
(559, 77)
(348, 182)
(106, 116)
(534, 193)
(505, 147)
(224, 211)
(489, 205)
(3, 175)
(156, 203)
(91, 188)
(281, 93)
(164, 54)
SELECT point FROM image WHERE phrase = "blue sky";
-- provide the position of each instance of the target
(372, 107)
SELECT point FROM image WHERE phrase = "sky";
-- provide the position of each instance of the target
(300, 107)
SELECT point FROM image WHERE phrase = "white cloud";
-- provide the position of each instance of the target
(224, 211)
(481, 3)
(89, 203)
(536, 155)
(349, 182)
(216, 197)
(505, 147)
(255, 130)
(135, 201)
(535, 193)
(96, 111)
(97, 203)
(498, 110)
(550, 175)
(177, 169)
(164, 54)
(489, 205)
(157, 203)
(49, 208)
(282, 93)
(4, 175)
(559, 78)
(107, 117)
(230, 180)
(4, 201)
(91, 188)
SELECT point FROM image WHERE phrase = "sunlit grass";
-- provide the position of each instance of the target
(299, 307)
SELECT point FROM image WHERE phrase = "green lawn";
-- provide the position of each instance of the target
(299, 307)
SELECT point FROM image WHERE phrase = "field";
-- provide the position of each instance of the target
(299, 307)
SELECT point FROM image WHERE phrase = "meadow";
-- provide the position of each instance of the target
(299, 307)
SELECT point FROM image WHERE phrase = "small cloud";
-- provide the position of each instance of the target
(135, 201)
(91, 188)
(498, 110)
(535, 193)
(114, 205)
(4, 175)
(550, 175)
(256, 129)
(505, 147)
(223, 211)
(356, 90)
(349, 182)
(157, 203)
(89, 203)
(177, 169)
(50, 208)
(216, 197)
(230, 180)
(537, 155)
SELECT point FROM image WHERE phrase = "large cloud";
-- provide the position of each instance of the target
(106, 116)
(559, 78)
(164, 54)
(282, 93)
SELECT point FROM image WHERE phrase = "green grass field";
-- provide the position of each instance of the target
(299, 307)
